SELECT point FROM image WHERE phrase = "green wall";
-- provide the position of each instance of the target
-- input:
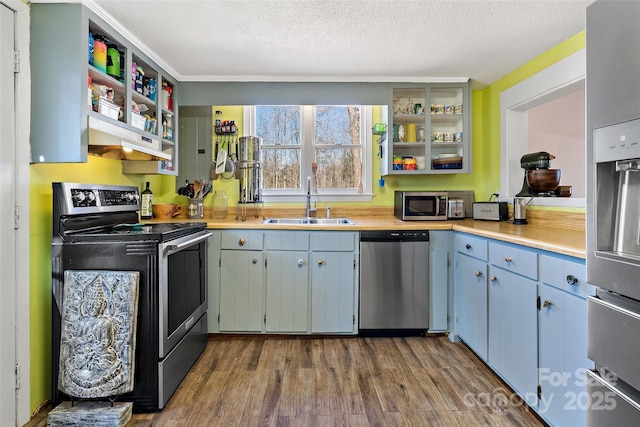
(485, 179)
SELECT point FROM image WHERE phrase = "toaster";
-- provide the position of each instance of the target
(492, 211)
(455, 209)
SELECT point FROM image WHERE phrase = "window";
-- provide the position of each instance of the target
(331, 144)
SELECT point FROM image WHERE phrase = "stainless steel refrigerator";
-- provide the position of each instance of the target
(613, 212)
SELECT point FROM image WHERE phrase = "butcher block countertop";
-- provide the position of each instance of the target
(565, 236)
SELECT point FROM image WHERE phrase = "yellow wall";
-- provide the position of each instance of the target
(485, 179)
(104, 171)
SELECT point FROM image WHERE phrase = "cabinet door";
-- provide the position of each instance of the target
(408, 131)
(471, 310)
(241, 291)
(333, 289)
(196, 150)
(461, 317)
(562, 356)
(213, 285)
(513, 332)
(448, 147)
(477, 293)
(287, 291)
(439, 278)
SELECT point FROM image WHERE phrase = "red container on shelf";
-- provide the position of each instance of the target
(409, 164)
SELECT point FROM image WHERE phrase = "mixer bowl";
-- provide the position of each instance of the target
(542, 180)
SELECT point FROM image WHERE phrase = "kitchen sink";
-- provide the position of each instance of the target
(317, 221)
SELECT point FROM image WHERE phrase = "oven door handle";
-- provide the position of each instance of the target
(178, 247)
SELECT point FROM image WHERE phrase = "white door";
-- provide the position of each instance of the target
(7, 231)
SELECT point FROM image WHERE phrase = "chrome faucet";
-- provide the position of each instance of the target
(309, 210)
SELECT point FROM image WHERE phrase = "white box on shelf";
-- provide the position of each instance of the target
(108, 108)
(138, 121)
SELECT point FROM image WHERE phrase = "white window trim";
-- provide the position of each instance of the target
(335, 195)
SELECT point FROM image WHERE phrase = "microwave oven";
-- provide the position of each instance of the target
(420, 205)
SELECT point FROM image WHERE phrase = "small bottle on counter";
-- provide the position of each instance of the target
(146, 210)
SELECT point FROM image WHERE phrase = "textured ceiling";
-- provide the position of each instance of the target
(342, 40)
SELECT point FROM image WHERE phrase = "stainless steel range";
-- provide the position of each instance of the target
(96, 227)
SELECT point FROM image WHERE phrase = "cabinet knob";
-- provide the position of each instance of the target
(300, 262)
(254, 261)
(320, 262)
(572, 280)
(493, 278)
(547, 303)
(241, 242)
(508, 259)
(478, 273)
(468, 246)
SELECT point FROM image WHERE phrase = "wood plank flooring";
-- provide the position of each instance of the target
(339, 381)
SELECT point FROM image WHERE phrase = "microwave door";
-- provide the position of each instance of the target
(421, 206)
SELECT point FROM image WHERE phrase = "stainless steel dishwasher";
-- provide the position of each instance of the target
(394, 280)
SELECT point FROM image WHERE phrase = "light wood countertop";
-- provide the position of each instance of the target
(554, 239)
(563, 240)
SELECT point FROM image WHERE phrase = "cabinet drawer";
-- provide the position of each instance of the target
(565, 274)
(286, 240)
(509, 257)
(338, 241)
(248, 240)
(611, 406)
(611, 326)
(472, 246)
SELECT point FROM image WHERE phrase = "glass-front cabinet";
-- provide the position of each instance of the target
(430, 129)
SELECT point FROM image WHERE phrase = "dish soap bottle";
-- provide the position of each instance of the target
(146, 211)
(220, 205)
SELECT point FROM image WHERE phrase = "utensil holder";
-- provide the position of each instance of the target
(196, 208)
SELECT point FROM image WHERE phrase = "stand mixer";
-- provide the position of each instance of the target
(539, 179)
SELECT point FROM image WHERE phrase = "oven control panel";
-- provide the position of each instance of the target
(76, 198)
(87, 197)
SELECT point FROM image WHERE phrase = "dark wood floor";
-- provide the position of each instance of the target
(343, 381)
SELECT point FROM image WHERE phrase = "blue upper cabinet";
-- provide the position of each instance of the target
(92, 89)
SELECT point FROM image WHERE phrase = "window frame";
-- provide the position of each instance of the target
(308, 147)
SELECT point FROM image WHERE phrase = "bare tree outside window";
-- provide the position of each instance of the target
(338, 148)
(280, 129)
(292, 140)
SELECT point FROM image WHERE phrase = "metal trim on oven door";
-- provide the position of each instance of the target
(167, 342)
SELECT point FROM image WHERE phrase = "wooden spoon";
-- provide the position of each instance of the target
(197, 186)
